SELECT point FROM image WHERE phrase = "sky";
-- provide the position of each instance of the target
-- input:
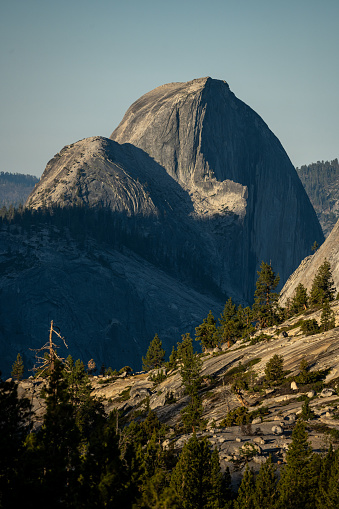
(70, 69)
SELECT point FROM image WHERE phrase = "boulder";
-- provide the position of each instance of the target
(294, 386)
(328, 391)
(277, 430)
(259, 459)
(291, 418)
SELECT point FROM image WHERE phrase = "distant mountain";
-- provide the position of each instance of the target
(149, 230)
(321, 182)
(192, 154)
(15, 188)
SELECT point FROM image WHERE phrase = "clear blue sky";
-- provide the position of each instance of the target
(70, 69)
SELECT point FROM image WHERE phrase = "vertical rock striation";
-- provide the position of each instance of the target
(224, 155)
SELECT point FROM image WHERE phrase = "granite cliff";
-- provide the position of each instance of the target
(307, 269)
(199, 192)
(198, 156)
(229, 162)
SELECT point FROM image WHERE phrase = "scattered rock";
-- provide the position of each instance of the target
(238, 439)
(228, 458)
(259, 440)
(166, 443)
(277, 430)
(310, 394)
(294, 386)
(257, 420)
(327, 392)
(259, 459)
(291, 418)
(139, 391)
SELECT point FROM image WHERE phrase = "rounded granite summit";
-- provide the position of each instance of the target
(225, 156)
(208, 172)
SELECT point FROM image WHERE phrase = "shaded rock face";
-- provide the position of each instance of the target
(107, 304)
(308, 268)
(223, 154)
(202, 191)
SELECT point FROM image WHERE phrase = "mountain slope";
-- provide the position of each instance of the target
(321, 182)
(209, 141)
(306, 271)
(150, 230)
(108, 302)
(15, 188)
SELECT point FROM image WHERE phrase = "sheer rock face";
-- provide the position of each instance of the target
(226, 158)
(213, 184)
(307, 270)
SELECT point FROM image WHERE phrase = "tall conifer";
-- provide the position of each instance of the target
(294, 486)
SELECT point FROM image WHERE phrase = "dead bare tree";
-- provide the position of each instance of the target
(45, 362)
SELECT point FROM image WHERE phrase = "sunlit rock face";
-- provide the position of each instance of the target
(224, 155)
(200, 192)
(308, 268)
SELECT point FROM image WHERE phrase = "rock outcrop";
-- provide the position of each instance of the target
(195, 155)
(107, 303)
(307, 270)
(199, 192)
(224, 155)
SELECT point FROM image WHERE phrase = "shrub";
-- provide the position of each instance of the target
(159, 377)
(236, 417)
(274, 371)
(126, 369)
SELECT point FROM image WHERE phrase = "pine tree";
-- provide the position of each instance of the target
(245, 497)
(172, 361)
(265, 299)
(315, 246)
(299, 300)
(206, 333)
(190, 374)
(327, 319)
(103, 476)
(323, 286)
(274, 371)
(295, 482)
(53, 451)
(18, 368)
(87, 410)
(155, 355)
(15, 415)
(192, 413)
(196, 478)
(328, 489)
(191, 365)
(306, 412)
(228, 328)
(265, 486)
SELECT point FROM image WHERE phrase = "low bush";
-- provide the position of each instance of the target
(236, 417)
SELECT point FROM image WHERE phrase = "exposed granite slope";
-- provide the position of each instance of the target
(269, 434)
(307, 270)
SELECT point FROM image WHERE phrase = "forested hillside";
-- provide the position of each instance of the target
(321, 182)
(15, 188)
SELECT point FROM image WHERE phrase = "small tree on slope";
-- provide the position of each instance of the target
(155, 355)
